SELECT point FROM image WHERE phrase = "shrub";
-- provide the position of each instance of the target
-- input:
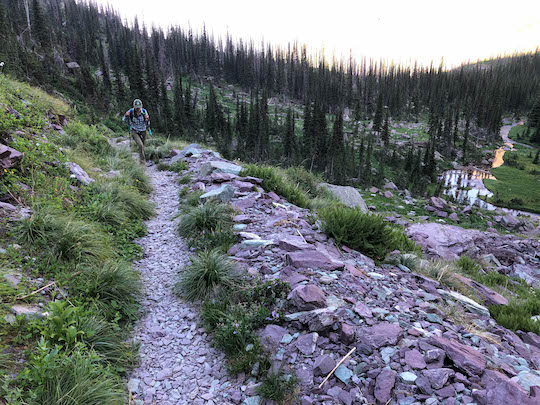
(208, 217)
(306, 180)
(517, 314)
(193, 199)
(208, 273)
(178, 166)
(364, 232)
(220, 238)
(73, 378)
(87, 138)
(184, 179)
(113, 286)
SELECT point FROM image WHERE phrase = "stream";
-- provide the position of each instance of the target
(466, 185)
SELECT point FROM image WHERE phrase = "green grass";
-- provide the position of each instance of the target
(518, 182)
(518, 133)
(209, 273)
(208, 217)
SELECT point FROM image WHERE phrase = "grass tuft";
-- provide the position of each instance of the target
(209, 272)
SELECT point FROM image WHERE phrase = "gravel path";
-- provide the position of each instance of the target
(178, 365)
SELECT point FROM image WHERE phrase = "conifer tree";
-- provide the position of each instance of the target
(289, 141)
(336, 150)
(378, 119)
(385, 134)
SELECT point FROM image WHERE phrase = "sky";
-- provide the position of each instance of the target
(456, 30)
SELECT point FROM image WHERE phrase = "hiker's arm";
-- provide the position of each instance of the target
(147, 119)
(126, 117)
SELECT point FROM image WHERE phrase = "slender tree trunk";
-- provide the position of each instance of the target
(26, 7)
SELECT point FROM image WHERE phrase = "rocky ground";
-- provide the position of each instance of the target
(415, 342)
(178, 364)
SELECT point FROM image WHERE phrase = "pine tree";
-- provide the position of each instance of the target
(336, 150)
(289, 140)
(385, 134)
(378, 119)
(40, 29)
(179, 107)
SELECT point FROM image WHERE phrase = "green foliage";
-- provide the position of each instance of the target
(67, 237)
(468, 266)
(518, 313)
(193, 199)
(178, 167)
(136, 177)
(72, 378)
(273, 181)
(61, 325)
(366, 233)
(113, 287)
(278, 387)
(208, 217)
(87, 138)
(209, 272)
(184, 179)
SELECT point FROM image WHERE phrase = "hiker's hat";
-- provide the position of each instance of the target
(137, 103)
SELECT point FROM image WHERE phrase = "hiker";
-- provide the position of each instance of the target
(138, 120)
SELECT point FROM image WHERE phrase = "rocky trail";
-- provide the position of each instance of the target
(416, 342)
(178, 365)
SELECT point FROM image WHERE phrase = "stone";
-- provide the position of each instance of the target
(78, 173)
(306, 343)
(362, 310)
(376, 276)
(28, 311)
(347, 333)
(407, 377)
(500, 390)
(528, 379)
(438, 203)
(454, 217)
(292, 243)
(441, 214)
(390, 186)
(489, 296)
(323, 365)
(255, 243)
(468, 303)
(510, 221)
(307, 297)
(382, 334)
(312, 259)
(373, 190)
(219, 167)
(347, 195)
(242, 219)
(438, 377)
(388, 194)
(384, 384)
(9, 157)
(192, 149)
(414, 359)
(464, 357)
(272, 335)
(343, 374)
(243, 186)
(224, 193)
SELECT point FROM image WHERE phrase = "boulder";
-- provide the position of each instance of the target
(347, 333)
(78, 173)
(438, 377)
(414, 359)
(9, 157)
(219, 167)
(193, 149)
(373, 190)
(312, 259)
(225, 193)
(306, 343)
(242, 186)
(510, 221)
(454, 217)
(388, 194)
(317, 320)
(221, 177)
(307, 297)
(380, 335)
(464, 357)
(28, 311)
(390, 186)
(438, 203)
(347, 195)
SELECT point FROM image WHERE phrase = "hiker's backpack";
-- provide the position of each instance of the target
(143, 112)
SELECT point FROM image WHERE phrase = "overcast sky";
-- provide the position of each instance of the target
(457, 30)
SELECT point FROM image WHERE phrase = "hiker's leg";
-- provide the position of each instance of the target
(144, 138)
(139, 143)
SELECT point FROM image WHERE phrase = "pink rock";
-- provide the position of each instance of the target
(362, 310)
(465, 357)
(414, 359)
(382, 334)
(243, 186)
(292, 243)
(312, 259)
(500, 390)
(388, 194)
(272, 335)
(489, 296)
(347, 333)
(384, 385)
(307, 297)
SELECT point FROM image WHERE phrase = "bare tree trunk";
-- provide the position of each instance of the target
(26, 7)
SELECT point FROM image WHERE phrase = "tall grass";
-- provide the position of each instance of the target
(113, 287)
(75, 378)
(66, 236)
(209, 272)
(208, 217)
